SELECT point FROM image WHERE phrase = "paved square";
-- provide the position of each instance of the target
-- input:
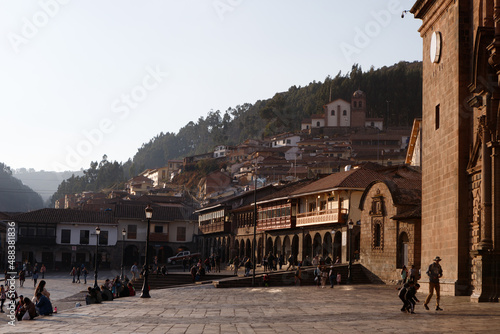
(204, 309)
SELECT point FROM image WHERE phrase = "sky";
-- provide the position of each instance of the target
(81, 79)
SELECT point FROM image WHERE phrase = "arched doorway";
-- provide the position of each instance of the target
(403, 250)
(259, 250)
(327, 246)
(131, 255)
(295, 247)
(307, 250)
(287, 249)
(317, 245)
(337, 246)
(277, 246)
(248, 250)
(269, 245)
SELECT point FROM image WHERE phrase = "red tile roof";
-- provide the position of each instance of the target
(65, 215)
(355, 178)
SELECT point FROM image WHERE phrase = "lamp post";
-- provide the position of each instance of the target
(254, 225)
(97, 232)
(123, 249)
(145, 285)
(350, 226)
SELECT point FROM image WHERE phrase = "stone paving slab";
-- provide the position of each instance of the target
(204, 309)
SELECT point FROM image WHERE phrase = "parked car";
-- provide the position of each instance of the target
(181, 256)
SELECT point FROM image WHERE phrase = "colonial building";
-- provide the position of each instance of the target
(460, 143)
(390, 223)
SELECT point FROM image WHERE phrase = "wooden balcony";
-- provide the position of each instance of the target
(274, 223)
(321, 217)
(215, 227)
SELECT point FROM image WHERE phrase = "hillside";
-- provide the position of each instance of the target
(393, 93)
(14, 195)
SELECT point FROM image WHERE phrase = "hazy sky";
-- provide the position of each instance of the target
(80, 79)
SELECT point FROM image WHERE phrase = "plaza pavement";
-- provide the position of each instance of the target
(205, 309)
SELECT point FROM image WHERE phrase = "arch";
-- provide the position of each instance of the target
(248, 249)
(295, 247)
(269, 245)
(307, 249)
(260, 248)
(403, 245)
(337, 246)
(287, 247)
(131, 255)
(327, 246)
(277, 246)
(237, 247)
(317, 245)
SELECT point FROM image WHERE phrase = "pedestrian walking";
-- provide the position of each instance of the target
(73, 273)
(298, 276)
(331, 275)
(22, 277)
(134, 270)
(317, 276)
(35, 278)
(404, 274)
(414, 274)
(291, 262)
(435, 272)
(42, 270)
(3, 297)
(85, 272)
(78, 273)
(236, 263)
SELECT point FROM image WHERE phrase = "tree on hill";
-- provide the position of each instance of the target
(99, 176)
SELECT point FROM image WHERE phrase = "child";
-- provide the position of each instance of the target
(265, 278)
(411, 297)
(402, 295)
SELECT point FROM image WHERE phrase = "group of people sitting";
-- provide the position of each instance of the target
(28, 309)
(110, 290)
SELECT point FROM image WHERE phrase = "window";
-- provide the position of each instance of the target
(354, 104)
(344, 113)
(181, 233)
(65, 236)
(103, 238)
(317, 123)
(84, 237)
(377, 234)
(288, 141)
(437, 117)
(360, 104)
(332, 112)
(158, 228)
(132, 232)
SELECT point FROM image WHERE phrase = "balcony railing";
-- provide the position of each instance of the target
(274, 223)
(321, 217)
(212, 228)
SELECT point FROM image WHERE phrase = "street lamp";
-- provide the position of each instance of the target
(123, 249)
(350, 224)
(145, 285)
(254, 225)
(97, 232)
